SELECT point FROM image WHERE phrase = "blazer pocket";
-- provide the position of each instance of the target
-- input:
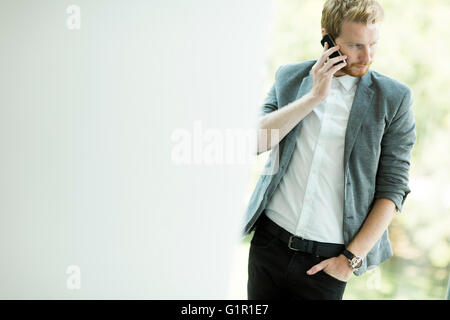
(369, 139)
(372, 131)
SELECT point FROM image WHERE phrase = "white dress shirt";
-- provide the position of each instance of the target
(309, 200)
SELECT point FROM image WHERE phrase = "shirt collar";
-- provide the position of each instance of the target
(347, 81)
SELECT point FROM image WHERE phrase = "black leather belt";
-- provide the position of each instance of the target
(295, 243)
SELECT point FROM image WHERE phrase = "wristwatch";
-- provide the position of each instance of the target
(354, 261)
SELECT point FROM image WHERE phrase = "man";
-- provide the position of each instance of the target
(345, 136)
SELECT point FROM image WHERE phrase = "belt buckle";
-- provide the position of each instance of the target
(290, 243)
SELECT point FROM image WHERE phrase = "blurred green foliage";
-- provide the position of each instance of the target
(412, 49)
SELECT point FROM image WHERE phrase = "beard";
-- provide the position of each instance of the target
(353, 70)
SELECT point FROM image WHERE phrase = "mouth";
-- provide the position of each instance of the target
(361, 66)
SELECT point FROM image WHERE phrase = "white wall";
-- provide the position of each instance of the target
(87, 171)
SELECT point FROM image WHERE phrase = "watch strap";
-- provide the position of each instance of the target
(348, 254)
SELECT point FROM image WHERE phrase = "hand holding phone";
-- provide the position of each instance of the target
(331, 43)
(330, 62)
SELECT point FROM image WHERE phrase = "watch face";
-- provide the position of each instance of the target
(356, 262)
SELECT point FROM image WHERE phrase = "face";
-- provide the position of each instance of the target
(358, 42)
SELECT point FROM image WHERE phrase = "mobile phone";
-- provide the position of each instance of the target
(331, 43)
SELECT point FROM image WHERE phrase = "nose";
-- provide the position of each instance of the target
(366, 55)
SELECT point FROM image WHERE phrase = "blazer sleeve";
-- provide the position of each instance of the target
(270, 104)
(396, 147)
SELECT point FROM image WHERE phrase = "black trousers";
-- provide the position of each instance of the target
(277, 272)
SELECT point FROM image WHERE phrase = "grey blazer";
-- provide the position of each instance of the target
(378, 143)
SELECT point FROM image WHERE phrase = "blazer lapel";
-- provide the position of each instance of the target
(361, 103)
